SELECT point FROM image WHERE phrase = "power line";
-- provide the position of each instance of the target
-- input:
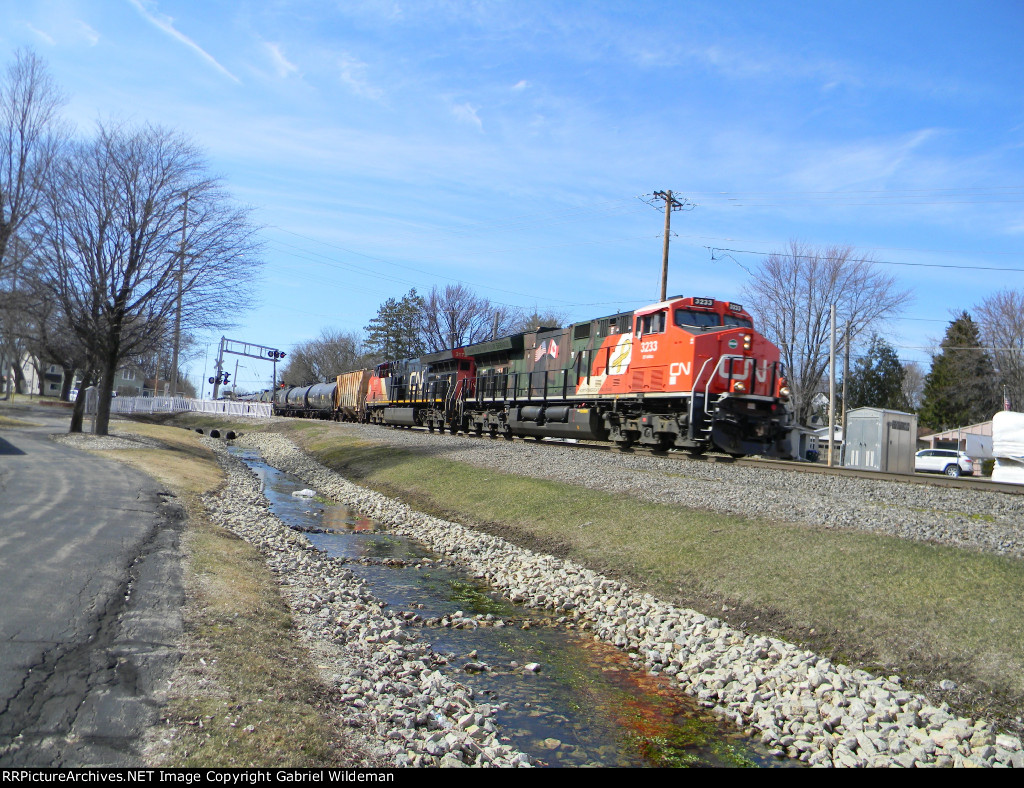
(417, 270)
(874, 262)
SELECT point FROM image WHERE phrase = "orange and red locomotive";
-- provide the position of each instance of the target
(690, 373)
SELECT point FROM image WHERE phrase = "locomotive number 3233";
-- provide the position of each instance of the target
(648, 347)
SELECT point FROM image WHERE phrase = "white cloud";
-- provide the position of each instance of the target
(467, 113)
(841, 166)
(44, 36)
(90, 35)
(353, 74)
(166, 24)
(282, 65)
(521, 85)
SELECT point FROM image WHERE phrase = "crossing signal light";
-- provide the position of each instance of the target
(211, 380)
(275, 354)
(227, 378)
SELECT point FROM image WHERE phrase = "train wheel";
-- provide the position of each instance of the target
(625, 445)
(479, 430)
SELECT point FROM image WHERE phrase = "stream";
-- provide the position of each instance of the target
(584, 706)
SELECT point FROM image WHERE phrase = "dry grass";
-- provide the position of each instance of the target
(246, 692)
(6, 421)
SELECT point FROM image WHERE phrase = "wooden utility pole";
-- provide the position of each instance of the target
(831, 381)
(671, 204)
(846, 374)
(177, 316)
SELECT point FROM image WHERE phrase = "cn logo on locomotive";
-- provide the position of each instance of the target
(676, 369)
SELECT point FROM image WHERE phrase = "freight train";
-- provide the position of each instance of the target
(687, 373)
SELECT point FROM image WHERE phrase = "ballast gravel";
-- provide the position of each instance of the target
(799, 704)
(977, 519)
(388, 679)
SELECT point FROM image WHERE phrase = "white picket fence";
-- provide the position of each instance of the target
(129, 405)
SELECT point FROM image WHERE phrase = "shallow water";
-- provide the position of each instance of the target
(585, 706)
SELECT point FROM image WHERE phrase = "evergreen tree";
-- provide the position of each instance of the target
(962, 386)
(876, 380)
(395, 332)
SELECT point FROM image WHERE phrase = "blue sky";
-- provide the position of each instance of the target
(389, 145)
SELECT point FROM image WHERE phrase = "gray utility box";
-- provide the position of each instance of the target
(880, 440)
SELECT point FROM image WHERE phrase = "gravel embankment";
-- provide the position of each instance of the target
(801, 705)
(390, 686)
(988, 521)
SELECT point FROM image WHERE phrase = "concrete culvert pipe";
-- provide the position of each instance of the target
(200, 430)
(214, 433)
(230, 435)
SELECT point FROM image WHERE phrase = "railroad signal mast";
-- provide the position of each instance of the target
(247, 349)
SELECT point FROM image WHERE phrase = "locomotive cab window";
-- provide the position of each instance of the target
(653, 323)
(695, 318)
(740, 322)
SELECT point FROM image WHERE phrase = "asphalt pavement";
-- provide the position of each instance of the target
(90, 600)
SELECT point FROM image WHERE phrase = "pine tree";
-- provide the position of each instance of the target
(395, 332)
(876, 380)
(962, 386)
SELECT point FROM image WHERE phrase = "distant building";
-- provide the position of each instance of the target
(955, 438)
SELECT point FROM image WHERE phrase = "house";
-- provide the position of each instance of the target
(975, 439)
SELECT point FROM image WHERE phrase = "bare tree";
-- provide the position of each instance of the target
(456, 316)
(29, 137)
(913, 385)
(791, 296)
(322, 359)
(1001, 318)
(30, 133)
(111, 242)
(536, 319)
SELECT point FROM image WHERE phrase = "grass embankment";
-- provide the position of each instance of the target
(245, 692)
(886, 604)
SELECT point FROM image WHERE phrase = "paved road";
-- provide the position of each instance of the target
(90, 600)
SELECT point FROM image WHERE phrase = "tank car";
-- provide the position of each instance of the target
(281, 401)
(320, 400)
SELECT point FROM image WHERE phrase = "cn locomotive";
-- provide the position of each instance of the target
(687, 373)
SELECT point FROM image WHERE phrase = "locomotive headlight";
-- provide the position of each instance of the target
(748, 341)
(784, 392)
(739, 386)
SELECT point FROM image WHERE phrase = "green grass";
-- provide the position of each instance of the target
(881, 602)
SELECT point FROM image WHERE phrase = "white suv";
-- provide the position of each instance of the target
(948, 461)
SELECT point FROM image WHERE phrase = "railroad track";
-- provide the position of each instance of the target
(935, 480)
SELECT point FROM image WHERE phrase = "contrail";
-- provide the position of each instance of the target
(166, 24)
